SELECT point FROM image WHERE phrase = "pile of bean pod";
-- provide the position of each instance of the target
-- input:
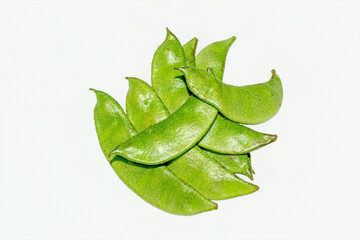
(180, 143)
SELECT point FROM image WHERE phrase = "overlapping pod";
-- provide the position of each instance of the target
(234, 138)
(167, 57)
(190, 175)
(144, 109)
(171, 137)
(251, 104)
(165, 85)
(168, 87)
(213, 56)
(156, 185)
(195, 167)
(189, 51)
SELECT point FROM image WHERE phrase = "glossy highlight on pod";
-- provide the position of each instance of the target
(181, 141)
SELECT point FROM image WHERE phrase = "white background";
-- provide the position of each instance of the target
(55, 182)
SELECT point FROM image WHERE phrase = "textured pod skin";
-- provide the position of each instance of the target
(240, 163)
(156, 185)
(179, 95)
(137, 100)
(167, 81)
(214, 56)
(189, 51)
(171, 137)
(251, 104)
(208, 177)
(234, 138)
(195, 167)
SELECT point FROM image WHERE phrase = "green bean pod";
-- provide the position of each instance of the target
(168, 56)
(189, 51)
(145, 108)
(214, 56)
(195, 167)
(156, 111)
(170, 85)
(156, 185)
(251, 104)
(171, 137)
(234, 138)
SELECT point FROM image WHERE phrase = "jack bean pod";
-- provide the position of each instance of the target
(189, 51)
(214, 56)
(156, 185)
(251, 104)
(195, 167)
(171, 137)
(234, 138)
(168, 56)
(170, 85)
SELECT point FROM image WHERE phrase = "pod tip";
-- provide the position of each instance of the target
(216, 206)
(169, 34)
(94, 90)
(273, 73)
(230, 41)
(249, 175)
(193, 42)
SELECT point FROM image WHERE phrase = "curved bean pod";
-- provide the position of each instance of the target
(251, 104)
(234, 138)
(208, 177)
(189, 51)
(156, 185)
(167, 81)
(195, 167)
(171, 137)
(169, 86)
(214, 56)
(137, 100)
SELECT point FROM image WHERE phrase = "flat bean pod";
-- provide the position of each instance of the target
(145, 108)
(214, 56)
(169, 85)
(156, 185)
(189, 51)
(137, 100)
(171, 137)
(251, 104)
(208, 177)
(167, 81)
(234, 138)
(195, 167)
